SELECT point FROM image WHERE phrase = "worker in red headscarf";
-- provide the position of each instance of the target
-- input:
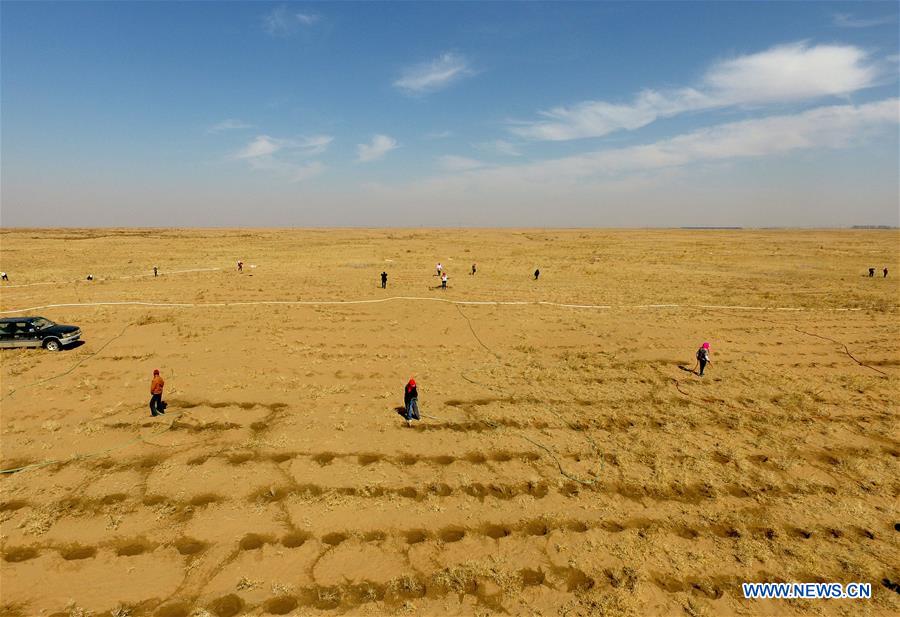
(157, 406)
(411, 401)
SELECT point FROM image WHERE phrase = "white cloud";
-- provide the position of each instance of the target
(499, 146)
(598, 118)
(789, 73)
(282, 21)
(311, 146)
(434, 74)
(845, 20)
(785, 73)
(458, 163)
(260, 154)
(822, 127)
(264, 145)
(381, 145)
(677, 181)
(228, 125)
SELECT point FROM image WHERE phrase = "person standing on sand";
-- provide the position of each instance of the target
(439, 268)
(411, 401)
(703, 357)
(155, 270)
(157, 406)
(537, 274)
(473, 268)
(3, 276)
(444, 281)
(384, 280)
(885, 274)
(871, 272)
(240, 266)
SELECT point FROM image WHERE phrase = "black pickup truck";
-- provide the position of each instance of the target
(36, 332)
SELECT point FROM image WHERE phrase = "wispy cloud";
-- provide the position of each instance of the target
(458, 163)
(261, 146)
(785, 73)
(608, 184)
(283, 21)
(260, 154)
(499, 146)
(823, 127)
(228, 125)
(314, 145)
(845, 20)
(433, 75)
(264, 145)
(381, 145)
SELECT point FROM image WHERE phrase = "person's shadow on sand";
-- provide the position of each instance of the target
(401, 411)
(687, 370)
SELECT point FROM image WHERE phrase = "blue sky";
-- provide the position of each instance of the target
(530, 114)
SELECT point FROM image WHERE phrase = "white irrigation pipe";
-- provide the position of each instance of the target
(115, 278)
(414, 298)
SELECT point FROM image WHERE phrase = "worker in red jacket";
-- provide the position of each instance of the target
(157, 406)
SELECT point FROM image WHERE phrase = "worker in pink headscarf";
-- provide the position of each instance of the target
(703, 357)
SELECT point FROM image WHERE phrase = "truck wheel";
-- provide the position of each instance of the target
(52, 345)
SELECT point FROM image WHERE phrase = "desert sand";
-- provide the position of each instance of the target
(567, 462)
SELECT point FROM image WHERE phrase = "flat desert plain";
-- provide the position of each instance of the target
(567, 462)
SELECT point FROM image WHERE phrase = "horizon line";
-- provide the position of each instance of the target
(874, 227)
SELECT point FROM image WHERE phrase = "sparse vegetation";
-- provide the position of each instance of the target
(282, 480)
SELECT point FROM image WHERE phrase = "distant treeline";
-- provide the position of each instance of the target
(711, 228)
(873, 227)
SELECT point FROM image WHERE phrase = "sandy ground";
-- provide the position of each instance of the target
(566, 464)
